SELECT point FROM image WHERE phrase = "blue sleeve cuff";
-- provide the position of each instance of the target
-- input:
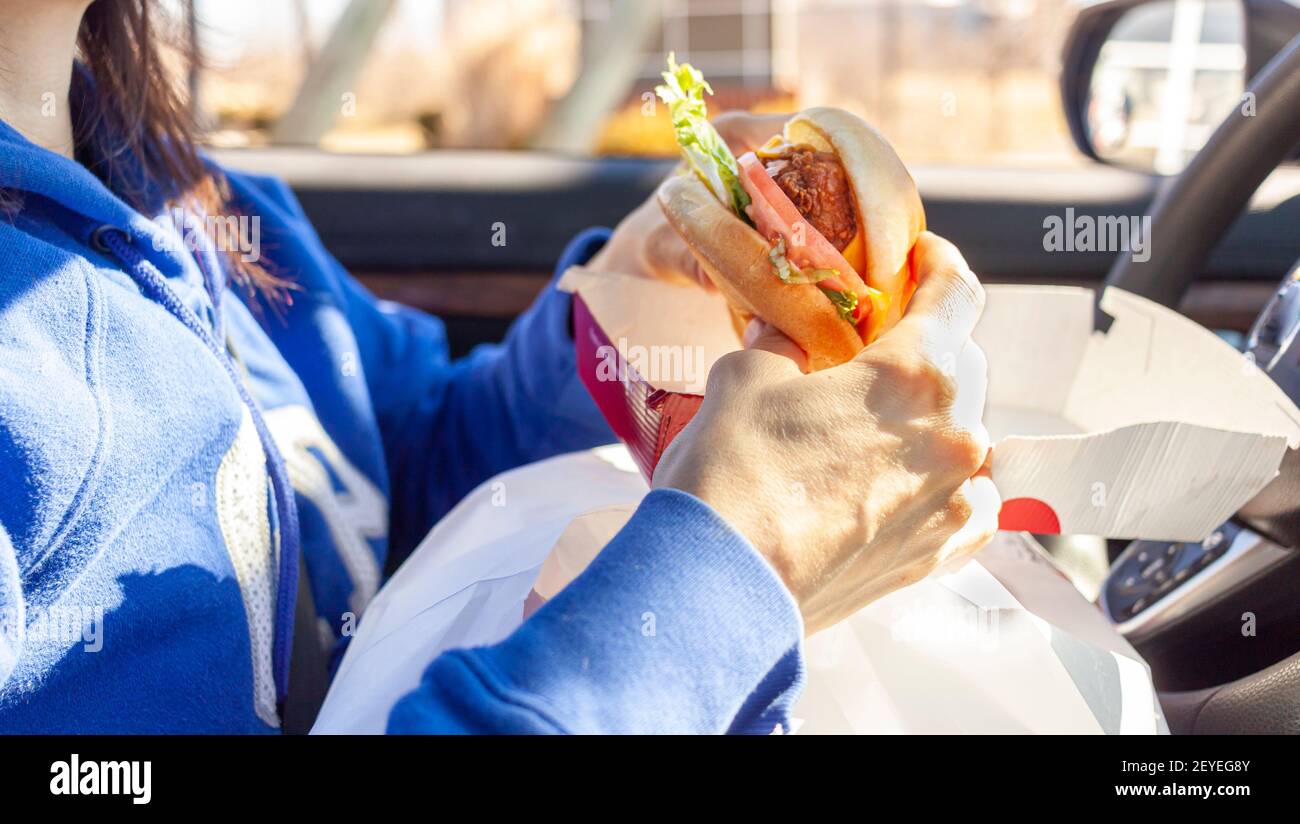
(556, 306)
(582, 248)
(678, 626)
(554, 378)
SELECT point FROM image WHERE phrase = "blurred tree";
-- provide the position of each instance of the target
(332, 74)
(574, 122)
(505, 64)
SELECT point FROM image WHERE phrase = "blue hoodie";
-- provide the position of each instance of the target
(152, 427)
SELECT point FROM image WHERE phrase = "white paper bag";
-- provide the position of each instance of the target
(961, 652)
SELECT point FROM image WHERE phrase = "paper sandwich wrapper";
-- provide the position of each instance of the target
(1155, 428)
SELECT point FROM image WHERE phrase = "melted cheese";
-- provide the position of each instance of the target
(773, 148)
(856, 252)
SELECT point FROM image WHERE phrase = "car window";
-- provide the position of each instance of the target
(969, 81)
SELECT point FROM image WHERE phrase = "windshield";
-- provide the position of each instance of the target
(946, 80)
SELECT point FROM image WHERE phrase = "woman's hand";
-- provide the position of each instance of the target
(860, 479)
(644, 244)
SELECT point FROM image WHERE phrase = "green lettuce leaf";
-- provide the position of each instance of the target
(704, 149)
(846, 302)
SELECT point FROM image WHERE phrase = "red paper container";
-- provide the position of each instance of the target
(646, 419)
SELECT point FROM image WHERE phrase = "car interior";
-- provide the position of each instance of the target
(1224, 207)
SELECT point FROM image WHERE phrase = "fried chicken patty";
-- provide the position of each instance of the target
(817, 185)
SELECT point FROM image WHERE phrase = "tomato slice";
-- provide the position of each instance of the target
(775, 214)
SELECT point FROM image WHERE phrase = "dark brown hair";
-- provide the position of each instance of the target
(141, 110)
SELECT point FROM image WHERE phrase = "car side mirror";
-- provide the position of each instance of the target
(1145, 82)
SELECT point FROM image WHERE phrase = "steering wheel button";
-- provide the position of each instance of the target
(1152, 568)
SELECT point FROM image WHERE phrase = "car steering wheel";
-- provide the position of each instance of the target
(1189, 217)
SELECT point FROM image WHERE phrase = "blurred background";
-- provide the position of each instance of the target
(945, 80)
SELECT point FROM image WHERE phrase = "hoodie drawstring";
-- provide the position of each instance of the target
(152, 282)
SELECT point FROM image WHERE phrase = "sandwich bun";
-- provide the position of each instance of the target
(736, 257)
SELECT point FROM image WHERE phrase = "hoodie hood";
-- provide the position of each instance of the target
(88, 204)
(32, 169)
(156, 256)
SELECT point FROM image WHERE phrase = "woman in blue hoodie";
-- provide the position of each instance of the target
(196, 445)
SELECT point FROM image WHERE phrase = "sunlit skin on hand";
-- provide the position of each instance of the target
(863, 478)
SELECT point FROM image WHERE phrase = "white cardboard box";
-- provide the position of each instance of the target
(1155, 428)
